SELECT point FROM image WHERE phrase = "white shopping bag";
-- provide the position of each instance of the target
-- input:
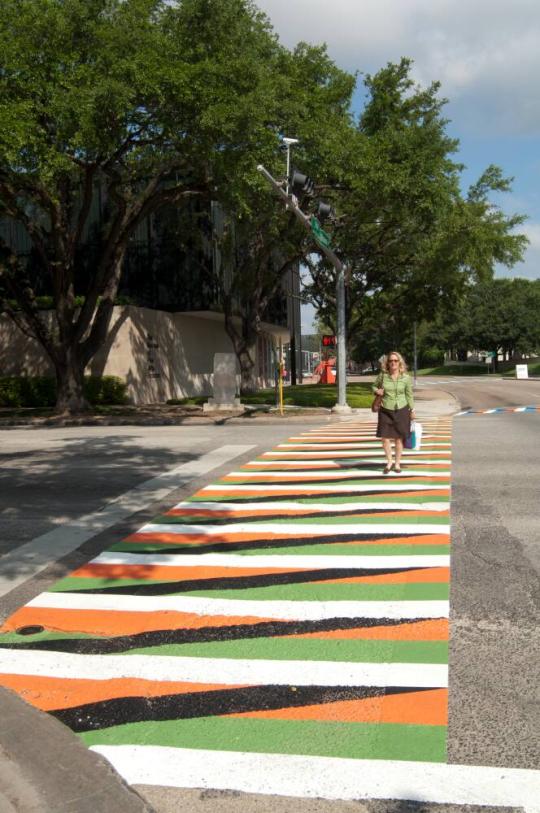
(416, 432)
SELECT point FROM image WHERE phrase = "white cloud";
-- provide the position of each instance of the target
(486, 53)
(530, 267)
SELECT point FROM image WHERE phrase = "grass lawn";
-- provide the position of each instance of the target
(456, 369)
(534, 369)
(314, 395)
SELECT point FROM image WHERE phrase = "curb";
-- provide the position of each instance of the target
(45, 767)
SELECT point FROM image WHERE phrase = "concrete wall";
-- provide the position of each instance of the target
(160, 355)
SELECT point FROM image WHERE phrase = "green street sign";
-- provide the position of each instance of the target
(320, 235)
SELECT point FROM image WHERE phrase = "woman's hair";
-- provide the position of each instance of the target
(402, 366)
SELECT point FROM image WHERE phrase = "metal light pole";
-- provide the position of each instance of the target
(341, 406)
(415, 358)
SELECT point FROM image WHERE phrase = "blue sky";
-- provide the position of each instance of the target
(485, 53)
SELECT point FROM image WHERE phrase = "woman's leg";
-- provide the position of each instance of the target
(387, 446)
(399, 450)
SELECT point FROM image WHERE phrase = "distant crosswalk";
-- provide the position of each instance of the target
(496, 410)
(436, 382)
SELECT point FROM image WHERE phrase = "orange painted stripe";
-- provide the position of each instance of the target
(307, 492)
(107, 623)
(194, 540)
(414, 708)
(431, 630)
(155, 572)
(171, 573)
(48, 693)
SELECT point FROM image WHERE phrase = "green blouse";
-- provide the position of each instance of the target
(398, 393)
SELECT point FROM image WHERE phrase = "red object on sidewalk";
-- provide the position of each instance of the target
(326, 371)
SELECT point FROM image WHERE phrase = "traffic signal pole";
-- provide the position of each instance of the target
(341, 406)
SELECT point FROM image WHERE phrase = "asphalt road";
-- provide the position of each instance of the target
(485, 392)
(52, 476)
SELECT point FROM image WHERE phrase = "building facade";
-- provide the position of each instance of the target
(168, 323)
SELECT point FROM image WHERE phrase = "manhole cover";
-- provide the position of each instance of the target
(30, 630)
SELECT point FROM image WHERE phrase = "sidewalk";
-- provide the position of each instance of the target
(44, 767)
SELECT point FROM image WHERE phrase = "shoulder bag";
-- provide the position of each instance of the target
(377, 401)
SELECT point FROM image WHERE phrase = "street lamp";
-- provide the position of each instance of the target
(288, 144)
(305, 185)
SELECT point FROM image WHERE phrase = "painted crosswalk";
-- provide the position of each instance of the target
(499, 410)
(297, 609)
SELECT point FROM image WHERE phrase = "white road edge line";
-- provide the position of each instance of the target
(26, 561)
(325, 777)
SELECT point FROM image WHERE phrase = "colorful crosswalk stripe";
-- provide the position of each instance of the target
(298, 607)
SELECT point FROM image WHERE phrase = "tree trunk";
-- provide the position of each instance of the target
(70, 398)
(248, 377)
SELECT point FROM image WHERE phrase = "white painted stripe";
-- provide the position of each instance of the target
(233, 561)
(295, 530)
(26, 561)
(384, 485)
(332, 474)
(337, 456)
(220, 670)
(323, 507)
(285, 610)
(325, 777)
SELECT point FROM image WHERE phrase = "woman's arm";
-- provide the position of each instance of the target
(409, 394)
(377, 387)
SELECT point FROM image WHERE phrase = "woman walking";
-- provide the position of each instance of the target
(397, 407)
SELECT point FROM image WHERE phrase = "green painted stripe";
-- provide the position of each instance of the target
(295, 649)
(312, 738)
(336, 592)
(14, 638)
(338, 549)
(318, 591)
(333, 549)
(386, 497)
(290, 648)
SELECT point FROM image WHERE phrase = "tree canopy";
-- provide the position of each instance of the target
(412, 241)
(151, 101)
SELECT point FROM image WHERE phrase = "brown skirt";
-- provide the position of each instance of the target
(394, 423)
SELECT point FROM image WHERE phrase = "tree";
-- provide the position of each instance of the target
(411, 241)
(314, 101)
(152, 102)
(497, 315)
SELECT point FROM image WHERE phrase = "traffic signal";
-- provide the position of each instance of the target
(301, 184)
(324, 211)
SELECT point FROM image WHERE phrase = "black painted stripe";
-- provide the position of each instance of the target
(328, 516)
(201, 635)
(122, 710)
(241, 582)
(261, 544)
(314, 495)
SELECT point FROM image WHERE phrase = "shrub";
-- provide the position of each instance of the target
(41, 391)
(106, 389)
